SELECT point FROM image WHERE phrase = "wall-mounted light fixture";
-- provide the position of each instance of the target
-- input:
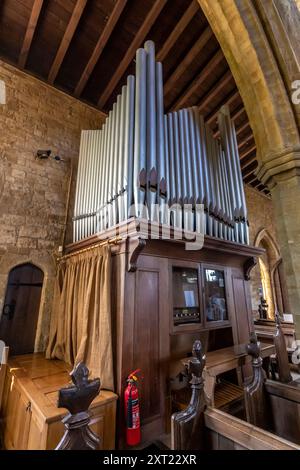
(45, 154)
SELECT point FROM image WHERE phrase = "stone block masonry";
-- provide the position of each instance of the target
(33, 193)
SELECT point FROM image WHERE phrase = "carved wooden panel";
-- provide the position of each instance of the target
(146, 340)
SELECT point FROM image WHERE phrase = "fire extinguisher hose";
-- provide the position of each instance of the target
(129, 410)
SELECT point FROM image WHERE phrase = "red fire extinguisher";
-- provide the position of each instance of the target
(132, 410)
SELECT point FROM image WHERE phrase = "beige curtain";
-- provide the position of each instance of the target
(81, 318)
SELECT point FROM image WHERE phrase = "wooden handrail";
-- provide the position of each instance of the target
(244, 434)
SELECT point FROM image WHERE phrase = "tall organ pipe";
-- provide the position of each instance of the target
(87, 178)
(103, 207)
(129, 143)
(79, 186)
(179, 180)
(116, 160)
(161, 158)
(120, 181)
(100, 181)
(140, 131)
(151, 129)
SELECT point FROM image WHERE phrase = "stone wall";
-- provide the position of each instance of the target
(261, 220)
(34, 193)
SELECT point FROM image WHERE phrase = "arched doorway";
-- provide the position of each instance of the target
(21, 308)
(268, 280)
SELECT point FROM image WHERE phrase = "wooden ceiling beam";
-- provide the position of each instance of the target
(31, 27)
(138, 39)
(197, 82)
(188, 59)
(102, 41)
(215, 90)
(66, 40)
(247, 152)
(249, 179)
(254, 183)
(178, 30)
(228, 100)
(238, 112)
(244, 126)
(245, 140)
(247, 170)
(248, 173)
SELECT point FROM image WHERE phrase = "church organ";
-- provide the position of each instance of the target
(148, 172)
(159, 167)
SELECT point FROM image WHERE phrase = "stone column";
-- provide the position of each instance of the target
(282, 175)
(260, 41)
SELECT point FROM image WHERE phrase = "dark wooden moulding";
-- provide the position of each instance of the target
(142, 307)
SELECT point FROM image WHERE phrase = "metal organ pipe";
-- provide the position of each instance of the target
(140, 156)
(160, 142)
(129, 143)
(147, 159)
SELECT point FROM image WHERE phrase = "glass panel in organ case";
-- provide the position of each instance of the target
(185, 296)
(215, 296)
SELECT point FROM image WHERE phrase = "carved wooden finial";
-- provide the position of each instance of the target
(257, 408)
(253, 348)
(77, 399)
(188, 426)
(278, 319)
(196, 364)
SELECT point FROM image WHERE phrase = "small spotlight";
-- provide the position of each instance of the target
(43, 154)
(57, 158)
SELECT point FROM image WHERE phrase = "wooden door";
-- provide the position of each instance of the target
(21, 308)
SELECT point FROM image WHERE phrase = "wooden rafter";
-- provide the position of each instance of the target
(139, 38)
(247, 152)
(245, 140)
(197, 82)
(102, 41)
(31, 27)
(243, 127)
(249, 179)
(215, 90)
(249, 169)
(254, 183)
(66, 40)
(178, 30)
(188, 59)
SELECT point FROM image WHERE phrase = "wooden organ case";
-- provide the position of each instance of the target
(142, 175)
(148, 276)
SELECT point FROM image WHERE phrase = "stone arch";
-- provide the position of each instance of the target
(264, 234)
(249, 54)
(273, 280)
(45, 262)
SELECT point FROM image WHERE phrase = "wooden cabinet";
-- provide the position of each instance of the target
(32, 420)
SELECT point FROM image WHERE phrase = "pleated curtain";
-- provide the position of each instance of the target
(81, 327)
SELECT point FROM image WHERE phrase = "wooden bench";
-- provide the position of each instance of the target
(32, 420)
(269, 404)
